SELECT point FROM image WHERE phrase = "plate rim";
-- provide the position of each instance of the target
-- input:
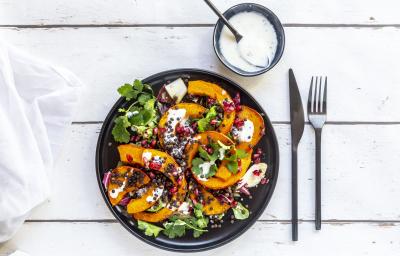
(99, 146)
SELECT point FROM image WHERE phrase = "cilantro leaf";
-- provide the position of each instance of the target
(232, 166)
(138, 85)
(149, 229)
(240, 153)
(198, 210)
(195, 165)
(144, 97)
(119, 131)
(174, 229)
(240, 212)
(203, 124)
(128, 92)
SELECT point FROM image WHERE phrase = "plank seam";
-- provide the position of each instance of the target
(329, 221)
(289, 25)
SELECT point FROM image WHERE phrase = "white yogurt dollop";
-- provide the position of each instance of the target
(258, 45)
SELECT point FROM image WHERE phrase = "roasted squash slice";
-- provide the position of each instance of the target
(137, 155)
(203, 88)
(193, 110)
(147, 200)
(206, 138)
(218, 183)
(247, 113)
(211, 206)
(120, 187)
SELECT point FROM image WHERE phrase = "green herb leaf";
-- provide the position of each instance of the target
(232, 166)
(198, 210)
(240, 153)
(119, 131)
(144, 97)
(128, 92)
(240, 212)
(203, 124)
(174, 229)
(149, 229)
(138, 85)
(195, 165)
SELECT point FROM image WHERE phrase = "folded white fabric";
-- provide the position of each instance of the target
(37, 101)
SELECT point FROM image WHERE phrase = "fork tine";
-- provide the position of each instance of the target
(320, 95)
(309, 102)
(324, 107)
(315, 98)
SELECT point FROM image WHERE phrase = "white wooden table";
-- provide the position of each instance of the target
(107, 42)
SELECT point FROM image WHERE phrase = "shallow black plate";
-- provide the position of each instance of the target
(107, 158)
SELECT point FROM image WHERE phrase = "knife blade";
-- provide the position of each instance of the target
(297, 128)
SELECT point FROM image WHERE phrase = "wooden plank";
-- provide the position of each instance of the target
(363, 82)
(271, 238)
(190, 12)
(360, 178)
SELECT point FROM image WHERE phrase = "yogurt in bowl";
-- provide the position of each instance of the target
(261, 46)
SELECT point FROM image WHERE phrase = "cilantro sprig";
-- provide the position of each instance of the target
(178, 225)
(140, 116)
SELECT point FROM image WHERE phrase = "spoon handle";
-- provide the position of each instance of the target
(226, 22)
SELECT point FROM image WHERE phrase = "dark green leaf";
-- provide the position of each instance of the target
(119, 131)
(144, 97)
(232, 166)
(128, 92)
(149, 229)
(195, 165)
(138, 85)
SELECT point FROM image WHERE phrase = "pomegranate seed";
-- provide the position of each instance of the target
(238, 122)
(152, 175)
(257, 172)
(239, 162)
(129, 158)
(257, 161)
(194, 125)
(173, 190)
(213, 122)
(259, 151)
(234, 203)
(144, 143)
(154, 165)
(238, 108)
(153, 143)
(255, 156)
(155, 130)
(180, 129)
(133, 138)
(209, 150)
(264, 181)
(196, 192)
(236, 99)
(162, 130)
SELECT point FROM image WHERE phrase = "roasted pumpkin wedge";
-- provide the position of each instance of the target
(193, 110)
(211, 205)
(125, 179)
(202, 88)
(206, 138)
(146, 200)
(144, 157)
(249, 114)
(218, 183)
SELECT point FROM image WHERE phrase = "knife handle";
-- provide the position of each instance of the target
(318, 179)
(294, 195)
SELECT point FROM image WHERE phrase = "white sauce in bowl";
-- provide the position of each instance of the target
(258, 45)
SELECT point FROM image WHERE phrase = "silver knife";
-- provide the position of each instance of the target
(297, 128)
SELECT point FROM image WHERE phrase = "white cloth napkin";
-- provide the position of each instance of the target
(37, 101)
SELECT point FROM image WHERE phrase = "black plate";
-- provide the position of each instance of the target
(107, 158)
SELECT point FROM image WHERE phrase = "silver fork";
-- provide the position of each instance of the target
(316, 108)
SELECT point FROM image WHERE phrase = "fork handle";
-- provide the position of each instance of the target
(318, 133)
